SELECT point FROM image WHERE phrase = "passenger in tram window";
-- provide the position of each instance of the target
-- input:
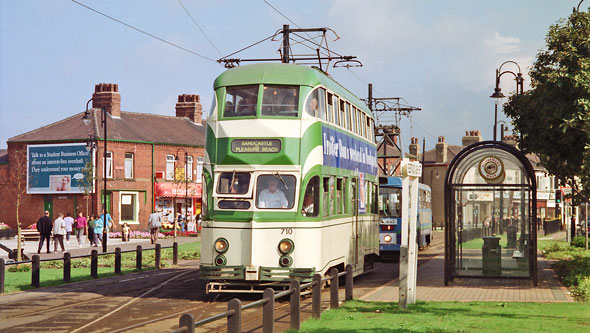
(308, 207)
(247, 106)
(272, 197)
(312, 107)
(229, 108)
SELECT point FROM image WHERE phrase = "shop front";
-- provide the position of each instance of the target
(173, 198)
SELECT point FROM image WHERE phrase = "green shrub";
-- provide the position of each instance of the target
(582, 290)
(19, 268)
(579, 241)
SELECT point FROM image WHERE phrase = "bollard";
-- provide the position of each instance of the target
(316, 296)
(348, 283)
(268, 311)
(2, 276)
(158, 255)
(35, 276)
(334, 288)
(175, 253)
(94, 264)
(234, 321)
(187, 320)
(295, 304)
(138, 253)
(67, 266)
(118, 260)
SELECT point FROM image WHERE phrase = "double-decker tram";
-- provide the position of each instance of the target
(290, 179)
(390, 218)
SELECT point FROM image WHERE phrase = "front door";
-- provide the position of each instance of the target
(48, 205)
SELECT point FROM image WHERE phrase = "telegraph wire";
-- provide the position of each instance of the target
(198, 26)
(249, 46)
(143, 32)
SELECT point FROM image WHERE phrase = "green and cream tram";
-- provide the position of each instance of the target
(290, 179)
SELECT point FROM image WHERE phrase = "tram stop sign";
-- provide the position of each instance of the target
(566, 191)
(412, 169)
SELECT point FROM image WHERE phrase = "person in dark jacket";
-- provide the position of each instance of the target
(44, 226)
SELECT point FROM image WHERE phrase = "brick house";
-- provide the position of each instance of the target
(147, 157)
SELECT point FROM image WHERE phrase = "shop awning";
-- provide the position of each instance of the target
(172, 190)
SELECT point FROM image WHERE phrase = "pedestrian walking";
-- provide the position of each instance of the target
(69, 221)
(59, 230)
(108, 222)
(80, 225)
(125, 232)
(44, 227)
(98, 227)
(91, 225)
(154, 223)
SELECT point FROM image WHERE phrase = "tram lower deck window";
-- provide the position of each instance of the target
(233, 204)
(276, 191)
(233, 182)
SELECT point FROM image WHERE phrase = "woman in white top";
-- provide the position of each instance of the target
(59, 230)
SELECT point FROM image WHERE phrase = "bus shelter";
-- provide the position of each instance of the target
(490, 219)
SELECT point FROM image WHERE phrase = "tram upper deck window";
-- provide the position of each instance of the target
(233, 182)
(390, 204)
(280, 101)
(315, 105)
(240, 101)
(275, 191)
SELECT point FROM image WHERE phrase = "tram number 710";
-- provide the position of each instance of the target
(286, 231)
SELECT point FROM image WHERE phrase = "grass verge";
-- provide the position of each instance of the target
(51, 272)
(359, 316)
(572, 264)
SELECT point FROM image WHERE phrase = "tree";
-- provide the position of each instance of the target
(87, 183)
(553, 117)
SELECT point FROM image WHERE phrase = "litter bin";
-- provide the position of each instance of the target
(491, 256)
(511, 235)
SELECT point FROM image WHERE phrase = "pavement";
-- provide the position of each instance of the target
(430, 285)
(30, 247)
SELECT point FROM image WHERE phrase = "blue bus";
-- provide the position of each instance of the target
(390, 200)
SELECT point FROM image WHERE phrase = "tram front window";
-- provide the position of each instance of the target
(280, 101)
(233, 182)
(276, 191)
(240, 101)
(390, 202)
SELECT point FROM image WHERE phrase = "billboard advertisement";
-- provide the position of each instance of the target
(56, 168)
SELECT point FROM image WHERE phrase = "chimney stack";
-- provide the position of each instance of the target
(106, 95)
(471, 137)
(189, 106)
(415, 148)
(441, 150)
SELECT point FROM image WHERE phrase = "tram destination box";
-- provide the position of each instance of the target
(256, 146)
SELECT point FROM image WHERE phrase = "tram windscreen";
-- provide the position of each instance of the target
(280, 101)
(240, 101)
(233, 182)
(276, 191)
(390, 202)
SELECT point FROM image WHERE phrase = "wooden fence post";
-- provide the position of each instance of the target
(35, 276)
(118, 260)
(234, 321)
(268, 311)
(334, 288)
(348, 287)
(94, 264)
(316, 296)
(175, 253)
(187, 320)
(295, 304)
(2, 275)
(67, 266)
(158, 255)
(138, 252)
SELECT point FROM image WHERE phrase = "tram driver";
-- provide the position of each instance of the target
(272, 197)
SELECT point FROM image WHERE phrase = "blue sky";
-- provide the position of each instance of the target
(440, 56)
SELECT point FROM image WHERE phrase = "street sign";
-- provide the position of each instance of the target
(566, 190)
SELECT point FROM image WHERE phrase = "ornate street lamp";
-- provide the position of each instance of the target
(498, 95)
(103, 122)
(176, 158)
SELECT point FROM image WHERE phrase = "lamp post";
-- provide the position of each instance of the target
(103, 122)
(498, 95)
(176, 158)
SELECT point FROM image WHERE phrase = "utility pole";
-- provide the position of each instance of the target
(286, 46)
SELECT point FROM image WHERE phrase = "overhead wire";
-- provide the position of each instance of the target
(143, 32)
(198, 26)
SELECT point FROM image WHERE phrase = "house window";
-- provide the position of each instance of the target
(128, 165)
(128, 209)
(199, 167)
(169, 167)
(109, 164)
(188, 171)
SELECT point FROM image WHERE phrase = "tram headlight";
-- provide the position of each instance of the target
(285, 261)
(220, 260)
(387, 238)
(221, 245)
(286, 246)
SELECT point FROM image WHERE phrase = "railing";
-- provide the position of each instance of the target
(67, 259)
(234, 306)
